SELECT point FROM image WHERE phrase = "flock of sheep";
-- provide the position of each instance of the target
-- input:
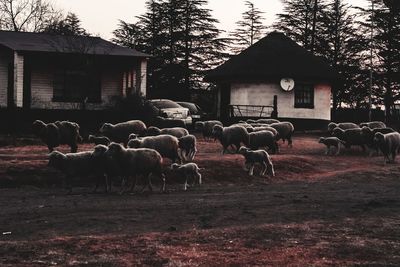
(130, 149)
(374, 136)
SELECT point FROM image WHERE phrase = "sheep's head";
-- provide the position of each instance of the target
(198, 125)
(134, 143)
(379, 138)
(217, 131)
(56, 159)
(331, 127)
(114, 149)
(366, 130)
(38, 127)
(338, 132)
(152, 131)
(91, 137)
(106, 127)
(174, 166)
(243, 150)
(321, 140)
(133, 136)
(249, 129)
(99, 150)
(363, 124)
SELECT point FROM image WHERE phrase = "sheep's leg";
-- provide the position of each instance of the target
(133, 185)
(327, 150)
(290, 142)
(51, 149)
(245, 167)
(337, 150)
(271, 167)
(198, 177)
(162, 176)
(74, 148)
(123, 186)
(264, 169)
(251, 169)
(186, 183)
(149, 183)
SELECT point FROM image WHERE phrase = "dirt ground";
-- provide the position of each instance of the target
(318, 211)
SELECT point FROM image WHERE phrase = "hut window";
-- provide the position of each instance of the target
(76, 86)
(304, 96)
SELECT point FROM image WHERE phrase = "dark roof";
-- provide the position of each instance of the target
(274, 57)
(42, 42)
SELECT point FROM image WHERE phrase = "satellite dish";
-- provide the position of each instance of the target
(287, 84)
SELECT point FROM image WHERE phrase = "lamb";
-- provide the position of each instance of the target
(190, 171)
(120, 132)
(58, 133)
(373, 124)
(99, 140)
(187, 146)
(257, 156)
(262, 139)
(342, 125)
(285, 131)
(267, 121)
(232, 135)
(166, 145)
(206, 127)
(389, 144)
(331, 141)
(73, 164)
(178, 132)
(369, 135)
(169, 123)
(134, 162)
(351, 137)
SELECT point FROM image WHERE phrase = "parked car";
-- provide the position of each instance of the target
(170, 110)
(196, 112)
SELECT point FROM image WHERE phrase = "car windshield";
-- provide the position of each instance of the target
(165, 104)
(191, 106)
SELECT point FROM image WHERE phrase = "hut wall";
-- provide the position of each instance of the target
(263, 94)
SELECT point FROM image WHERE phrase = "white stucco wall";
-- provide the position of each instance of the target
(143, 77)
(18, 79)
(263, 94)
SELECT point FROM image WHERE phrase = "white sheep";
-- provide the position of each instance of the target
(58, 133)
(99, 140)
(178, 132)
(187, 146)
(262, 139)
(331, 141)
(232, 135)
(253, 157)
(120, 132)
(74, 164)
(134, 162)
(190, 171)
(342, 125)
(285, 131)
(166, 145)
(373, 124)
(206, 127)
(389, 144)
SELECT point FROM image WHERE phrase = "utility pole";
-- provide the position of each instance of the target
(371, 64)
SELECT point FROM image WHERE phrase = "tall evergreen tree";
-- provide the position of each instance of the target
(249, 29)
(70, 25)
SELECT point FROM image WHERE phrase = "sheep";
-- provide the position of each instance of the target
(153, 131)
(369, 134)
(351, 137)
(232, 135)
(169, 123)
(166, 145)
(99, 140)
(120, 132)
(331, 141)
(206, 127)
(266, 128)
(107, 165)
(285, 131)
(190, 171)
(178, 132)
(134, 162)
(342, 125)
(257, 156)
(187, 146)
(133, 136)
(58, 133)
(389, 144)
(263, 139)
(373, 124)
(267, 121)
(74, 164)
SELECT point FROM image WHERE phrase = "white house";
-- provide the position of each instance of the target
(54, 72)
(277, 68)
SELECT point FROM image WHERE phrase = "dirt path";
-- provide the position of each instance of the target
(318, 210)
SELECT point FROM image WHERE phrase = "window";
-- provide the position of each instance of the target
(76, 86)
(304, 96)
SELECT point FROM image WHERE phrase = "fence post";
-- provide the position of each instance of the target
(274, 113)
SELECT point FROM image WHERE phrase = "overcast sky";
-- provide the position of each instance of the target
(100, 17)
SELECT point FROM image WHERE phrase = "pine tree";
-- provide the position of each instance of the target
(249, 29)
(70, 25)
